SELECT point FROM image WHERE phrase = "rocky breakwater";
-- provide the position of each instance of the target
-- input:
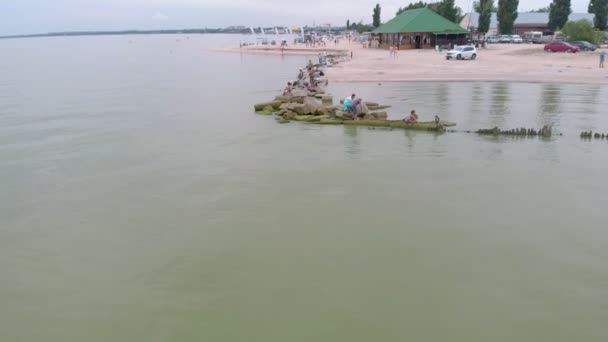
(318, 108)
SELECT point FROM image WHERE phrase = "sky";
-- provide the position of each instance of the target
(42, 16)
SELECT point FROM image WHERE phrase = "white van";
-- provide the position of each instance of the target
(535, 37)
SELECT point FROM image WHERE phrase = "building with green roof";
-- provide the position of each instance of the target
(420, 28)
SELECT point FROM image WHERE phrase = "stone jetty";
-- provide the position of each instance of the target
(318, 108)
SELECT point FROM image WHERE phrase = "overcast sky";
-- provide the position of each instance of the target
(38, 16)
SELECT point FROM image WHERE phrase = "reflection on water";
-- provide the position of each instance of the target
(550, 105)
(500, 104)
(351, 141)
(441, 99)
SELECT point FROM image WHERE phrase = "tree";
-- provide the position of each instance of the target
(348, 24)
(559, 10)
(600, 9)
(540, 10)
(449, 10)
(484, 8)
(376, 15)
(506, 15)
(413, 5)
(361, 27)
(580, 30)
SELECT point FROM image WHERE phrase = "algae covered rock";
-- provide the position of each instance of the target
(264, 112)
(330, 121)
(289, 115)
(272, 104)
(379, 115)
(372, 123)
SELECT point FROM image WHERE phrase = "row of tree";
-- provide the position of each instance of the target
(445, 8)
(506, 13)
(559, 11)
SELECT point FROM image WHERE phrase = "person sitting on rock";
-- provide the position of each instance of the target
(348, 103)
(287, 91)
(412, 118)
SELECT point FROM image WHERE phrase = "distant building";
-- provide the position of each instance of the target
(525, 22)
(419, 28)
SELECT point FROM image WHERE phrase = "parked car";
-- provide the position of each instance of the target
(560, 47)
(504, 39)
(515, 39)
(583, 45)
(492, 39)
(462, 52)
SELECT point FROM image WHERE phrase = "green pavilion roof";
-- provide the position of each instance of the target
(420, 20)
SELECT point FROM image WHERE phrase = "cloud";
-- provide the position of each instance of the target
(160, 16)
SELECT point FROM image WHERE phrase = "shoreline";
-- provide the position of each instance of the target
(524, 63)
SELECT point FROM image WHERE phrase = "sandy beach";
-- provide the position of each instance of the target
(497, 62)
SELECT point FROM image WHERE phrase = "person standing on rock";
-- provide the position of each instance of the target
(354, 107)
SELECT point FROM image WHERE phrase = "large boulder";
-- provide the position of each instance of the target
(322, 111)
(379, 115)
(343, 115)
(311, 106)
(362, 109)
(298, 108)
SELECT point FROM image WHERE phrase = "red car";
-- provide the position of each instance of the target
(560, 46)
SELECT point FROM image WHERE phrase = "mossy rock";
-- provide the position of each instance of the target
(372, 123)
(262, 106)
(263, 112)
(308, 118)
(282, 120)
(289, 115)
(330, 121)
(283, 98)
(379, 115)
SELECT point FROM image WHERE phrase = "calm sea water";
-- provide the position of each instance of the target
(142, 200)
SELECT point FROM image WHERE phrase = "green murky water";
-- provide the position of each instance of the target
(141, 200)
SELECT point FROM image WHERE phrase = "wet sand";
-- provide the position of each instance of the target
(497, 62)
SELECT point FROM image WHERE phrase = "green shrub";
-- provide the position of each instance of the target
(581, 30)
